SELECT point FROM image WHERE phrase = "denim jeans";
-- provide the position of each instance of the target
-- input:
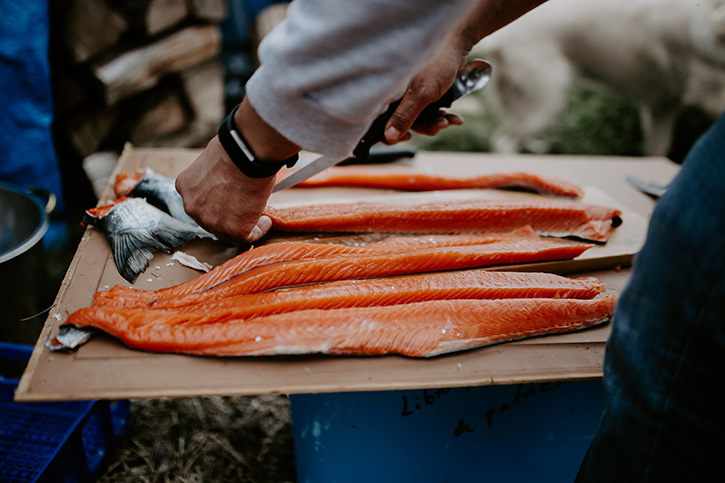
(664, 367)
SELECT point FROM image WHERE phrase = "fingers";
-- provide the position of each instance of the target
(260, 229)
(411, 105)
(429, 127)
(235, 229)
(222, 200)
(442, 120)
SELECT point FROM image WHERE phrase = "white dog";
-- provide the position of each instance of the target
(663, 54)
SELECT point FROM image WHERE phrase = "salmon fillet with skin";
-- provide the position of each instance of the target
(284, 251)
(470, 284)
(422, 329)
(265, 254)
(370, 177)
(547, 217)
(299, 272)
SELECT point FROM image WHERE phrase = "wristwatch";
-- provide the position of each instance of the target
(241, 154)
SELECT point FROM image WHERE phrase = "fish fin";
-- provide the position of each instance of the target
(132, 252)
(133, 249)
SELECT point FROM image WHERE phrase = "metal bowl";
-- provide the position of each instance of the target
(23, 222)
(23, 272)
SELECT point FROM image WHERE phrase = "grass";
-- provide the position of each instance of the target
(596, 122)
(211, 439)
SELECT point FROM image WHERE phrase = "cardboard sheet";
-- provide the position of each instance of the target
(104, 368)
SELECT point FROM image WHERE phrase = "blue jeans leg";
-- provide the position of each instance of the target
(664, 369)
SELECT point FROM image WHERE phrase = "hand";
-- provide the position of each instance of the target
(221, 199)
(425, 87)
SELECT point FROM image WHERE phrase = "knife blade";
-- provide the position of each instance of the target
(653, 189)
(473, 77)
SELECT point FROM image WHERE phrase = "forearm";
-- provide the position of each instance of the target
(437, 76)
(487, 17)
(331, 67)
(264, 140)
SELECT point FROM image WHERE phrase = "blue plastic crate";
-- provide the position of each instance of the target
(58, 442)
(513, 433)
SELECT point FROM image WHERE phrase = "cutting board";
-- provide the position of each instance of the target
(104, 368)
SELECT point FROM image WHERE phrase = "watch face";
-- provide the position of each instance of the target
(242, 145)
(242, 156)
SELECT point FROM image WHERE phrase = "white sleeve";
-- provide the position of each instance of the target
(333, 65)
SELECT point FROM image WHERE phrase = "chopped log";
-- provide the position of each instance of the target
(268, 19)
(163, 14)
(194, 135)
(149, 17)
(209, 10)
(88, 128)
(204, 87)
(90, 28)
(159, 115)
(98, 168)
(139, 69)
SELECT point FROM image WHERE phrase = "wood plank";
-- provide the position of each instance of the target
(164, 14)
(142, 68)
(104, 368)
(88, 127)
(159, 116)
(90, 28)
(268, 19)
(204, 88)
(210, 10)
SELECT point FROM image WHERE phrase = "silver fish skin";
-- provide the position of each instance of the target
(161, 191)
(135, 230)
(69, 338)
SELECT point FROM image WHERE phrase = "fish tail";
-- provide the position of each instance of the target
(132, 251)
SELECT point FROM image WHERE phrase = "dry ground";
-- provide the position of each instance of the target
(214, 439)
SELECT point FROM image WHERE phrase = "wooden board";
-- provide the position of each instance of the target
(104, 368)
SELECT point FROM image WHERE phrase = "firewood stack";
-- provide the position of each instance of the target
(140, 71)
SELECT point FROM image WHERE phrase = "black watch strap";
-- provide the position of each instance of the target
(242, 156)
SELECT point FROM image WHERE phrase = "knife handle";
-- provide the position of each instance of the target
(382, 155)
(376, 132)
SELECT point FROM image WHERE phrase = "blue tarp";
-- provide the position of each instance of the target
(27, 153)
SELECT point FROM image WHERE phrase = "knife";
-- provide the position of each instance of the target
(473, 77)
(653, 189)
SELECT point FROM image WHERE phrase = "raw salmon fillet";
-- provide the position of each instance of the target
(546, 217)
(378, 264)
(370, 177)
(265, 254)
(469, 284)
(421, 329)
(285, 251)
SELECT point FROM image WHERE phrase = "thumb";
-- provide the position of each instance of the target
(403, 118)
(260, 229)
